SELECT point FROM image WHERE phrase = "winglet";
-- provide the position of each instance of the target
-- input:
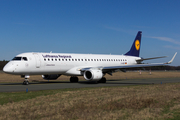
(171, 59)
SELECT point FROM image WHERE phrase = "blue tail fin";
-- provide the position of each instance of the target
(135, 48)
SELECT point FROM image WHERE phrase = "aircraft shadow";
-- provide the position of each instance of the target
(133, 83)
(80, 82)
(125, 79)
(130, 83)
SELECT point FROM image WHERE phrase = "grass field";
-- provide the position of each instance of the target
(6, 78)
(146, 102)
(143, 102)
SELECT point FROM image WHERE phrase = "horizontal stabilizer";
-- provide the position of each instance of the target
(142, 59)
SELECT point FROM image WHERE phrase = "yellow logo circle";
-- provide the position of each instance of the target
(137, 44)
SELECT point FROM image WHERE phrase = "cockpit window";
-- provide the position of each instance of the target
(24, 58)
(19, 59)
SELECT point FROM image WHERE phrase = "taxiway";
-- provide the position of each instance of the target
(36, 86)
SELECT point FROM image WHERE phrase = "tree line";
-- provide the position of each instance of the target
(4, 62)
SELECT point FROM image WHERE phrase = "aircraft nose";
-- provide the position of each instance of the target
(7, 69)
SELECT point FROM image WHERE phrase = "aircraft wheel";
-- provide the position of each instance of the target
(25, 83)
(71, 79)
(103, 80)
(74, 79)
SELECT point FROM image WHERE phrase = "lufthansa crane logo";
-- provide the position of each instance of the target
(137, 44)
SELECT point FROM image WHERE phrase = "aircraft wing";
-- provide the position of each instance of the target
(129, 66)
(139, 65)
(112, 68)
(132, 66)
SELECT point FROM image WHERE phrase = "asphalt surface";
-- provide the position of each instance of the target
(14, 87)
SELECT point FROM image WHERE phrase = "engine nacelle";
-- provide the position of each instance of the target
(93, 75)
(50, 77)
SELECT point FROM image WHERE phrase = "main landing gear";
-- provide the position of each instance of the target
(102, 80)
(74, 79)
(26, 79)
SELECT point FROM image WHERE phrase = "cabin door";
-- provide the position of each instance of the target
(38, 60)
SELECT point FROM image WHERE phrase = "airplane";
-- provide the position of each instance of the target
(92, 66)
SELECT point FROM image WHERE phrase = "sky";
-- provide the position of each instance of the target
(90, 27)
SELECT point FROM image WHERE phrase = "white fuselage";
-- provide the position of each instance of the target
(61, 63)
(92, 66)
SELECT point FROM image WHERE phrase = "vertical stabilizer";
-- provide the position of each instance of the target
(135, 48)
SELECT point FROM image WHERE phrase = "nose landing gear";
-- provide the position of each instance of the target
(26, 79)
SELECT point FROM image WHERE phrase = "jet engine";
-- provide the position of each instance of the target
(93, 75)
(50, 77)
